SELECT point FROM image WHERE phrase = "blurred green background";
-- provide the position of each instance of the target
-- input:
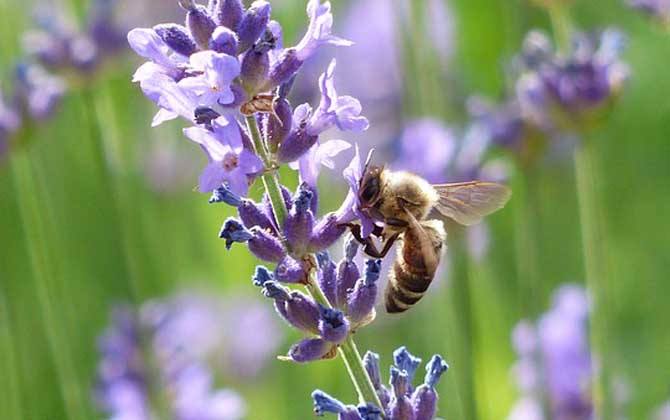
(82, 228)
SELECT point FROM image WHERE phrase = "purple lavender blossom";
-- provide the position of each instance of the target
(657, 9)
(229, 161)
(351, 208)
(399, 403)
(342, 112)
(555, 359)
(184, 339)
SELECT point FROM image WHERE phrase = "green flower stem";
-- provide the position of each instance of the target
(347, 350)
(526, 239)
(560, 22)
(594, 243)
(270, 180)
(45, 272)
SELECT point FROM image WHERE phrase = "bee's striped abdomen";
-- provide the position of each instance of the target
(414, 267)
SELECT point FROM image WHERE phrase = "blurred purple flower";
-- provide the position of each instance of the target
(426, 147)
(662, 412)
(182, 335)
(39, 91)
(555, 360)
(657, 9)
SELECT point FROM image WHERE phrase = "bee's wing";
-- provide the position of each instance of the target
(468, 202)
(430, 259)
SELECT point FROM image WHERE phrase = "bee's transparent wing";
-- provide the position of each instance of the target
(468, 202)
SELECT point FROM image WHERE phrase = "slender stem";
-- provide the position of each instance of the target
(461, 303)
(594, 241)
(526, 240)
(270, 180)
(347, 350)
(560, 22)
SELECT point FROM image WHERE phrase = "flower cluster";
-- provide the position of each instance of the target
(657, 9)
(556, 91)
(227, 63)
(400, 401)
(555, 366)
(352, 298)
(163, 354)
(52, 51)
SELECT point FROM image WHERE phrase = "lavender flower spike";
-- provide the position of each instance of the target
(424, 398)
(361, 300)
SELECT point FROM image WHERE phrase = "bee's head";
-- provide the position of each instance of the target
(371, 184)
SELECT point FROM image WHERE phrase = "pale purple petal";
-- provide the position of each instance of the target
(148, 44)
(319, 30)
(212, 177)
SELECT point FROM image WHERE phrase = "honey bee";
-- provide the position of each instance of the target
(402, 202)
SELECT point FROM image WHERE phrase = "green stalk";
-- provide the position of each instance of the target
(44, 273)
(594, 241)
(347, 350)
(560, 22)
(270, 181)
(526, 239)
(461, 303)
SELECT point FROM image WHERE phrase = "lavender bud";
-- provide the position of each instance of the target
(295, 145)
(400, 407)
(399, 382)
(253, 215)
(424, 401)
(326, 232)
(299, 222)
(324, 403)
(371, 363)
(279, 125)
(273, 290)
(198, 22)
(284, 68)
(303, 313)
(333, 326)
(266, 246)
(434, 370)
(229, 13)
(370, 412)
(223, 41)
(177, 38)
(253, 24)
(326, 276)
(289, 270)
(361, 301)
(309, 349)
(224, 195)
(205, 115)
(347, 275)
(254, 70)
(233, 231)
(261, 276)
(424, 398)
(405, 361)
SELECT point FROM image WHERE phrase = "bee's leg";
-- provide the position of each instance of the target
(355, 230)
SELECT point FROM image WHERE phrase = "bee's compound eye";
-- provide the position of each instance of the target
(369, 191)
